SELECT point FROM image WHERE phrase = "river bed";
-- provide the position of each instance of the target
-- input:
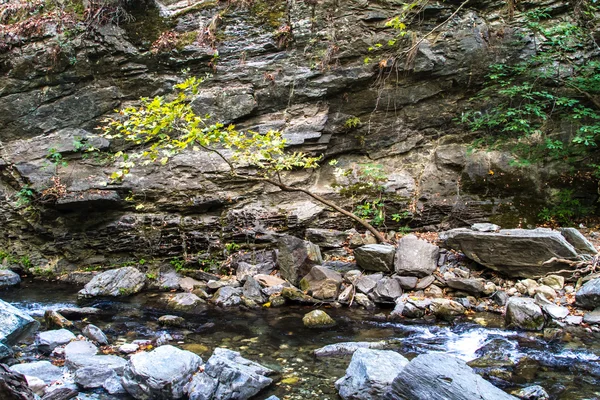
(276, 338)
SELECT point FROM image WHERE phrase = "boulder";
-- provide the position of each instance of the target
(473, 286)
(8, 278)
(13, 385)
(78, 312)
(363, 300)
(523, 313)
(592, 317)
(270, 281)
(49, 340)
(366, 283)
(113, 385)
(228, 376)
(55, 319)
(296, 258)
(94, 333)
(370, 374)
(227, 296)
(160, 374)
(185, 302)
(93, 377)
(446, 309)
(322, 283)
(317, 319)
(81, 354)
(513, 252)
(535, 392)
(441, 376)
(416, 257)
(407, 282)
(115, 282)
(588, 296)
(581, 244)
(252, 291)
(375, 257)
(43, 370)
(556, 282)
(296, 295)
(347, 348)
(387, 290)
(245, 270)
(15, 324)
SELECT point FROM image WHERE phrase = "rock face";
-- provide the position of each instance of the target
(228, 376)
(440, 376)
(523, 313)
(370, 374)
(513, 252)
(375, 257)
(416, 257)
(296, 258)
(14, 324)
(588, 296)
(115, 282)
(160, 374)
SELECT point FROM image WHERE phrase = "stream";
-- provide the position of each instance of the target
(276, 338)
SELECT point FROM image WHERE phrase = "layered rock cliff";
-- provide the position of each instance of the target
(301, 67)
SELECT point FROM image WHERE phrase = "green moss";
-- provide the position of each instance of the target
(186, 39)
(270, 13)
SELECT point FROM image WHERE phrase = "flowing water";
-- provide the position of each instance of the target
(277, 339)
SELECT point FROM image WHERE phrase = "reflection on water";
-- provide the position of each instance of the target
(278, 339)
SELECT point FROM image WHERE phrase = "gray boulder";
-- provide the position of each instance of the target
(416, 257)
(375, 257)
(347, 348)
(513, 252)
(588, 296)
(296, 257)
(160, 374)
(245, 270)
(93, 377)
(115, 282)
(228, 376)
(581, 244)
(252, 290)
(370, 374)
(473, 286)
(535, 392)
(94, 333)
(184, 302)
(322, 283)
(81, 354)
(524, 313)
(8, 278)
(49, 340)
(14, 324)
(318, 319)
(366, 283)
(441, 376)
(227, 296)
(387, 290)
(43, 370)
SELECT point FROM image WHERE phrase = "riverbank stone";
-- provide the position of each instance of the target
(581, 244)
(8, 278)
(524, 313)
(375, 257)
(47, 341)
(347, 348)
(94, 333)
(296, 257)
(512, 252)
(588, 296)
(93, 377)
(229, 376)
(322, 283)
(370, 374)
(185, 302)
(43, 370)
(160, 374)
(441, 376)
(318, 319)
(115, 282)
(15, 324)
(415, 257)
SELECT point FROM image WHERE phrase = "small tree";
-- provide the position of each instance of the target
(161, 129)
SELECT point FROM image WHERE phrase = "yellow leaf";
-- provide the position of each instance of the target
(490, 172)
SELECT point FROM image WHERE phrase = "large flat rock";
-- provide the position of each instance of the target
(15, 324)
(513, 252)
